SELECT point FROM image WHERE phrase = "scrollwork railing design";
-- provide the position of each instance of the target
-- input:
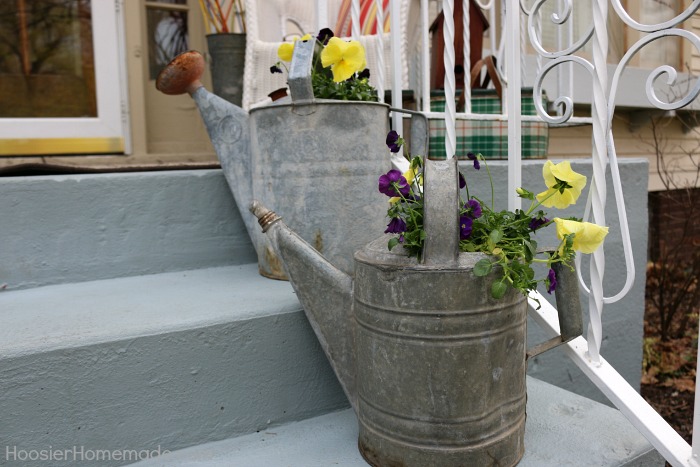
(602, 110)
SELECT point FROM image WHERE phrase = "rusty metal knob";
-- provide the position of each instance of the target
(182, 74)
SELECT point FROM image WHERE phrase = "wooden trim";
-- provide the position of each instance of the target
(25, 146)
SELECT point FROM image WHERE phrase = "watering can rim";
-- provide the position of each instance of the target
(376, 253)
(313, 102)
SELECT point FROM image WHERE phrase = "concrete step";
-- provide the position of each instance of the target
(562, 429)
(172, 360)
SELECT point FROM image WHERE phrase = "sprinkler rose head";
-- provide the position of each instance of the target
(182, 74)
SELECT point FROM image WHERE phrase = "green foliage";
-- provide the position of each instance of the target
(506, 237)
(353, 89)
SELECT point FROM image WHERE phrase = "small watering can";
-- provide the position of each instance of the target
(432, 364)
(313, 161)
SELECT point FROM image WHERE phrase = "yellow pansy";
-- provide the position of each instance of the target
(588, 237)
(344, 58)
(286, 50)
(564, 185)
(410, 175)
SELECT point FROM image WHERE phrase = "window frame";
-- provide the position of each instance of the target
(108, 132)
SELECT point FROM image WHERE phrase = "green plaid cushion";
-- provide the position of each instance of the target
(488, 137)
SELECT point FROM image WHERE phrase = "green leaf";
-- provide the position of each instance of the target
(393, 242)
(482, 267)
(529, 251)
(496, 236)
(498, 289)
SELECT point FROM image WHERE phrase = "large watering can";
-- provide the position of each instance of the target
(313, 161)
(432, 364)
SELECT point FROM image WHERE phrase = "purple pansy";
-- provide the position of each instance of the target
(474, 208)
(390, 181)
(396, 225)
(551, 281)
(275, 69)
(324, 35)
(536, 223)
(364, 74)
(462, 181)
(392, 141)
(472, 157)
(465, 227)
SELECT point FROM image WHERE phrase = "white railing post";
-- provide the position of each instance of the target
(355, 17)
(321, 14)
(425, 56)
(380, 49)
(512, 98)
(396, 65)
(598, 189)
(449, 61)
(696, 416)
(466, 56)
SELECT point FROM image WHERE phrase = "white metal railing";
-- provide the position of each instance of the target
(585, 353)
(657, 431)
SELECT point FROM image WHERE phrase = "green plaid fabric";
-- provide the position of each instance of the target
(488, 137)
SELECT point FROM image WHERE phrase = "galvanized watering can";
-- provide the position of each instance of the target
(314, 161)
(433, 366)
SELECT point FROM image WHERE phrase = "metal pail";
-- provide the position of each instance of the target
(227, 51)
(440, 363)
(317, 164)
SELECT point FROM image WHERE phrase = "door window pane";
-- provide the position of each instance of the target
(46, 59)
(167, 33)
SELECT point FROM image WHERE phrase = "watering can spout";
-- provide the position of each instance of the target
(228, 128)
(324, 291)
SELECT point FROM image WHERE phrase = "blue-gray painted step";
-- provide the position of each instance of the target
(172, 360)
(562, 429)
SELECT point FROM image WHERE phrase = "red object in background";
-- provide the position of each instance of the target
(477, 25)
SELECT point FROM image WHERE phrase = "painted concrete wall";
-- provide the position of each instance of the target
(73, 228)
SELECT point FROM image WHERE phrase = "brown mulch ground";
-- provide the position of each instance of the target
(676, 407)
(668, 379)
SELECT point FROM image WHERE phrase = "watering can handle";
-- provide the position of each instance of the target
(441, 212)
(568, 308)
(299, 78)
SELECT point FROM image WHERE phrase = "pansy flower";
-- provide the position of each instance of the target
(465, 226)
(324, 35)
(473, 157)
(286, 50)
(474, 208)
(537, 223)
(587, 236)
(344, 57)
(393, 183)
(393, 141)
(564, 185)
(396, 225)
